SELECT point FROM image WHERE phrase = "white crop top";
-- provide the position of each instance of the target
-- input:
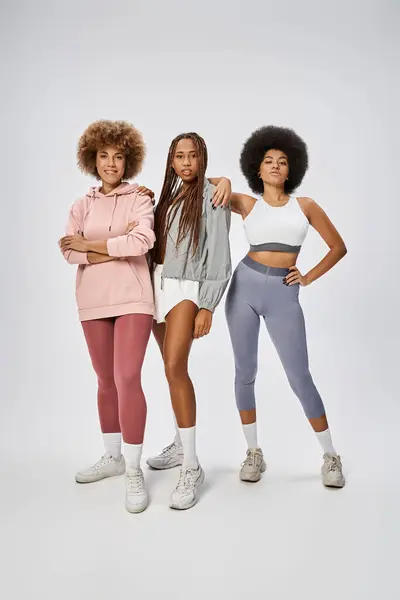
(276, 228)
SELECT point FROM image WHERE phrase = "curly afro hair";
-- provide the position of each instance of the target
(274, 138)
(121, 135)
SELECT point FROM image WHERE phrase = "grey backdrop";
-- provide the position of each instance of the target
(330, 71)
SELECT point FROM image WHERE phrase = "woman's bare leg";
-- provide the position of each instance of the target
(159, 334)
(177, 344)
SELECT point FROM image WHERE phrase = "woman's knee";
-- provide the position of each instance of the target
(175, 369)
(106, 381)
(245, 373)
(127, 377)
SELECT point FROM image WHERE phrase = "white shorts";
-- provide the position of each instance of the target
(173, 292)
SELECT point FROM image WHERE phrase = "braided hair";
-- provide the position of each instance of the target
(190, 198)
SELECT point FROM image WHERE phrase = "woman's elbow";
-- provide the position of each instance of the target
(341, 249)
(148, 244)
(145, 247)
(152, 241)
(67, 257)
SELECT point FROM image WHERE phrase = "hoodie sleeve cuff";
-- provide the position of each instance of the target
(207, 306)
(112, 247)
(77, 258)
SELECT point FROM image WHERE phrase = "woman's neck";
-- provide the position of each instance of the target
(106, 188)
(182, 190)
(274, 195)
(186, 186)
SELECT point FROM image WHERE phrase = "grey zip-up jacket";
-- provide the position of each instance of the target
(211, 264)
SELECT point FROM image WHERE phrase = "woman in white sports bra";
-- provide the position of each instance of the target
(266, 284)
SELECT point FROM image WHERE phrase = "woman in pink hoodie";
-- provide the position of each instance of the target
(114, 294)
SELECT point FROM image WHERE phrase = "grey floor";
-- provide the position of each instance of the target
(285, 537)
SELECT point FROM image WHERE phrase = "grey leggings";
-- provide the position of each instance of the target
(258, 291)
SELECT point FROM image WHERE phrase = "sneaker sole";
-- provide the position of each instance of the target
(177, 463)
(135, 511)
(339, 484)
(86, 480)
(198, 484)
(253, 478)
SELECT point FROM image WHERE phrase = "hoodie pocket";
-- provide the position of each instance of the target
(138, 287)
(108, 284)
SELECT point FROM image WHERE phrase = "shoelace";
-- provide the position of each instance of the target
(102, 462)
(186, 480)
(168, 450)
(253, 459)
(135, 483)
(334, 463)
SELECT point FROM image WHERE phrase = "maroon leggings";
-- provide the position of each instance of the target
(117, 347)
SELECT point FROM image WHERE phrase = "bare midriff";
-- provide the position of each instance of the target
(282, 260)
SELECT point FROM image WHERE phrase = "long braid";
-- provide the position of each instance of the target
(191, 200)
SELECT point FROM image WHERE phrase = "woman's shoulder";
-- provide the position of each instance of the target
(243, 204)
(305, 202)
(81, 203)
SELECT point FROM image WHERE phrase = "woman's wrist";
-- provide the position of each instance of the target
(217, 180)
(98, 247)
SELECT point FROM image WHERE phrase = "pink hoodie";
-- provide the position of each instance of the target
(118, 287)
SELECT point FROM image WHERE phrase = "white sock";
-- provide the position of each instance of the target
(177, 439)
(133, 453)
(250, 433)
(324, 438)
(188, 437)
(112, 444)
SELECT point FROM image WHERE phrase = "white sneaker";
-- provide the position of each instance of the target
(107, 466)
(136, 499)
(171, 456)
(332, 474)
(253, 466)
(184, 495)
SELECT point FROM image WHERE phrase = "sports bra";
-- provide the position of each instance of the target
(276, 228)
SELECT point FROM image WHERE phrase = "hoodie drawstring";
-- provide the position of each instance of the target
(89, 208)
(112, 216)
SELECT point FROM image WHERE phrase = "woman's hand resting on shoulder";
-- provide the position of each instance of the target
(202, 323)
(222, 193)
(142, 190)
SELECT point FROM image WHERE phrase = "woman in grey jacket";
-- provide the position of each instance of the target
(192, 268)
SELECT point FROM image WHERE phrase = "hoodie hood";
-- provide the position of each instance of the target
(123, 189)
